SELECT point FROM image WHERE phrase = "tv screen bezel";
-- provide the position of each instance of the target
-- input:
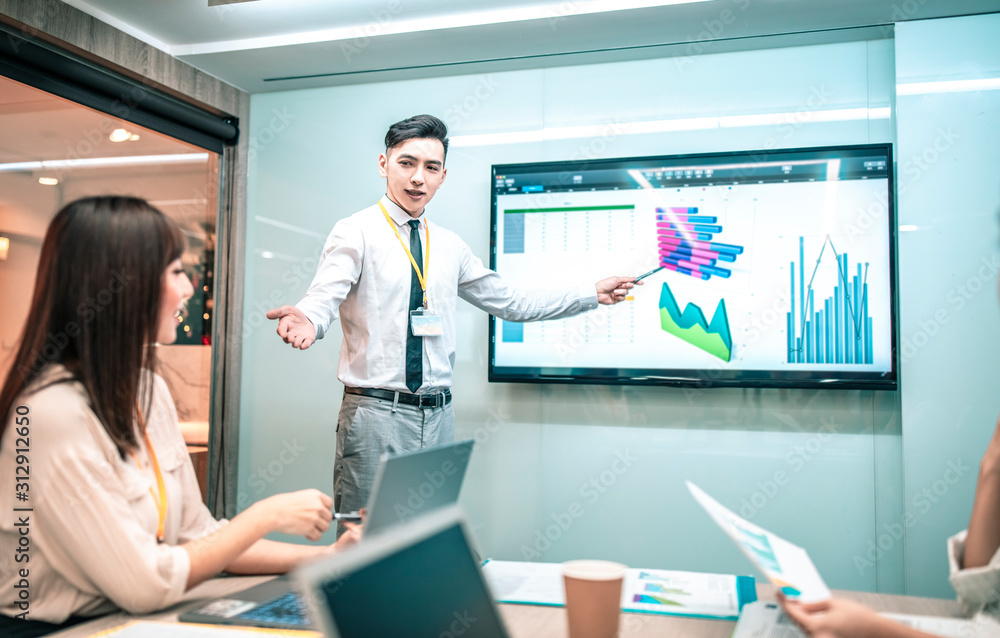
(703, 378)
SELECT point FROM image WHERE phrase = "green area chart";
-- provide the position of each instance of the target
(690, 326)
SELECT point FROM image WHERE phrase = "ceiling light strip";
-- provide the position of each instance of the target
(97, 162)
(393, 25)
(950, 86)
(669, 126)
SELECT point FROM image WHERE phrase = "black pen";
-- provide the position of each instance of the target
(648, 274)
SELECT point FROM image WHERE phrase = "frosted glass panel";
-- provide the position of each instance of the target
(948, 196)
(539, 447)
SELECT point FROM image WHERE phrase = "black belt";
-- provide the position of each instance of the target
(437, 400)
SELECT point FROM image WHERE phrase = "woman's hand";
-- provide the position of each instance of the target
(304, 513)
(838, 618)
(348, 538)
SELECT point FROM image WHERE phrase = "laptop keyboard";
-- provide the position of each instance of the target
(289, 609)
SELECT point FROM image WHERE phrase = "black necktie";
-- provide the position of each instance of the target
(414, 344)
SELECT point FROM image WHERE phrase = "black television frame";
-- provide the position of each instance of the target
(703, 378)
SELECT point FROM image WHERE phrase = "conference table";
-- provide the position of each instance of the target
(528, 621)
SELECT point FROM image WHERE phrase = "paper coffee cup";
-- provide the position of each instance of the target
(593, 597)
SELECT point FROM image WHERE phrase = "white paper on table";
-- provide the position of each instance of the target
(786, 565)
(647, 590)
(158, 629)
(523, 582)
(950, 627)
(766, 620)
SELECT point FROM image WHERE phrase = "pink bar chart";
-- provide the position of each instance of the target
(686, 243)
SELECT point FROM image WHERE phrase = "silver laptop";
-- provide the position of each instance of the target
(407, 486)
(419, 580)
(410, 484)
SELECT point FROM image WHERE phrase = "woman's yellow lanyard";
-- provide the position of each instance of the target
(161, 500)
(422, 276)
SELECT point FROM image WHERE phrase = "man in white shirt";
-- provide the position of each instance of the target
(396, 302)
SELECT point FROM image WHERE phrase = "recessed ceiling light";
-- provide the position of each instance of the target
(133, 138)
(48, 181)
(4, 247)
(119, 135)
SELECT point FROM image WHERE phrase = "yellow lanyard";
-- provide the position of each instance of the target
(422, 276)
(161, 501)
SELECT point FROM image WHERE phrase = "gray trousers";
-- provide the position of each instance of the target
(368, 427)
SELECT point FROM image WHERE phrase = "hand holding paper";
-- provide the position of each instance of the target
(787, 566)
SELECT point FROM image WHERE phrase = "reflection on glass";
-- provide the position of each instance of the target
(55, 151)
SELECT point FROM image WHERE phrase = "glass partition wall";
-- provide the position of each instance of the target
(53, 151)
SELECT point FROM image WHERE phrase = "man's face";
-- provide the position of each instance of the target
(413, 172)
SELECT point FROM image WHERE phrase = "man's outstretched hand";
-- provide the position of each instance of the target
(294, 326)
(609, 291)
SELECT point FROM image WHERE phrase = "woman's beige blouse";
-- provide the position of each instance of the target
(89, 539)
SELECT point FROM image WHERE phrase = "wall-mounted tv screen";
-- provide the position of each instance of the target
(776, 268)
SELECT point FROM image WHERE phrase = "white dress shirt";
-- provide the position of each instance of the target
(363, 279)
(978, 588)
(91, 531)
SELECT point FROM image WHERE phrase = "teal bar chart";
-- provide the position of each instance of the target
(840, 331)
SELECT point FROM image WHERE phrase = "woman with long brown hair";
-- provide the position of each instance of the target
(104, 511)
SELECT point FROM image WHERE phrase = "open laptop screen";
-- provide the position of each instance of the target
(416, 483)
(428, 588)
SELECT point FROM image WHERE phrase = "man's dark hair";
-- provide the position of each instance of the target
(417, 127)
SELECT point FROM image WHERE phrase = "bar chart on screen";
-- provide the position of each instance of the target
(838, 329)
(686, 242)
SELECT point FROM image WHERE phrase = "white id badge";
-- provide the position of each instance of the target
(426, 323)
